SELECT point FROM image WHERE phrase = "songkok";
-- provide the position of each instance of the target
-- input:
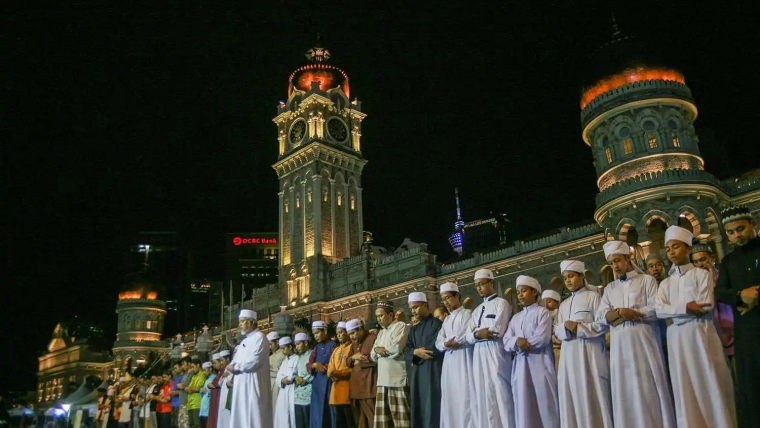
(417, 296)
(341, 324)
(388, 306)
(215, 356)
(223, 354)
(551, 294)
(272, 336)
(318, 324)
(206, 365)
(528, 281)
(353, 325)
(449, 287)
(285, 341)
(483, 274)
(122, 379)
(572, 266)
(616, 247)
(301, 337)
(701, 248)
(654, 256)
(679, 234)
(736, 213)
(247, 314)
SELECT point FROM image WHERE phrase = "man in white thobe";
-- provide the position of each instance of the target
(702, 385)
(457, 362)
(252, 393)
(223, 415)
(640, 392)
(491, 394)
(583, 380)
(551, 299)
(534, 379)
(276, 357)
(285, 413)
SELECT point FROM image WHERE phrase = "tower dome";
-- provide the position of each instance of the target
(318, 70)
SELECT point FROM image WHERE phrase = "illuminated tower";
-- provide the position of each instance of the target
(457, 237)
(319, 169)
(638, 118)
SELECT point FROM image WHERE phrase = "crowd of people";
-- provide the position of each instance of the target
(643, 351)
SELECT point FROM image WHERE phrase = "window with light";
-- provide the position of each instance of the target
(608, 153)
(627, 146)
(676, 140)
(652, 139)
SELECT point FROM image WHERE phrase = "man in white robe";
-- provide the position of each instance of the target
(584, 375)
(551, 299)
(702, 385)
(252, 393)
(285, 414)
(534, 379)
(492, 404)
(223, 414)
(640, 392)
(456, 400)
(276, 357)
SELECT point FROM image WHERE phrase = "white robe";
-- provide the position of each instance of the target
(492, 405)
(252, 392)
(702, 385)
(584, 373)
(456, 398)
(640, 391)
(285, 411)
(275, 361)
(534, 379)
(223, 415)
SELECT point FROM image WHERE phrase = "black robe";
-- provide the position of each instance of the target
(425, 376)
(739, 270)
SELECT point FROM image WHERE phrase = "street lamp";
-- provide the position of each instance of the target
(204, 343)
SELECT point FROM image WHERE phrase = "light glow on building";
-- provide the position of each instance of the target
(631, 75)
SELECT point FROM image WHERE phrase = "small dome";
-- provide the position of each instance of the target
(317, 70)
(138, 286)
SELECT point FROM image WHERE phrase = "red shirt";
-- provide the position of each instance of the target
(166, 391)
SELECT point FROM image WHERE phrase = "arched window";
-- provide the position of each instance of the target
(298, 200)
(340, 199)
(308, 196)
(353, 202)
(627, 146)
(286, 206)
(324, 194)
(608, 153)
(652, 139)
(676, 140)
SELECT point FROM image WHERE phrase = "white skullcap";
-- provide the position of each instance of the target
(616, 247)
(247, 314)
(528, 281)
(122, 379)
(285, 341)
(110, 391)
(215, 356)
(417, 296)
(318, 324)
(272, 336)
(302, 337)
(449, 287)
(224, 353)
(353, 325)
(551, 294)
(483, 274)
(206, 365)
(341, 324)
(572, 266)
(679, 234)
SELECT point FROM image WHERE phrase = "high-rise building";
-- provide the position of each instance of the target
(250, 263)
(205, 302)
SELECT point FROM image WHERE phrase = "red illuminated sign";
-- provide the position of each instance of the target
(247, 241)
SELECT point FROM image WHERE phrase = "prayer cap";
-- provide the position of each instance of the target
(736, 213)
(654, 256)
(701, 248)
(302, 337)
(572, 266)
(387, 305)
(285, 341)
(215, 356)
(528, 281)
(319, 324)
(272, 336)
(417, 296)
(483, 274)
(122, 379)
(353, 325)
(247, 314)
(341, 324)
(679, 234)
(616, 247)
(206, 365)
(449, 287)
(551, 294)
(224, 353)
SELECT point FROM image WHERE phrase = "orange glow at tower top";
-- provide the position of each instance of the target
(625, 77)
(135, 295)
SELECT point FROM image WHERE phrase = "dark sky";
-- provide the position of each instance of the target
(143, 117)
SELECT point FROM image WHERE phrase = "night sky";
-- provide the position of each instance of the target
(144, 117)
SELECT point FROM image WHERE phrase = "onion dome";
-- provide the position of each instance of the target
(318, 70)
(138, 286)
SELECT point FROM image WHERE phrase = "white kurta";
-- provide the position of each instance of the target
(223, 415)
(252, 392)
(534, 379)
(640, 390)
(583, 381)
(456, 398)
(275, 361)
(285, 411)
(702, 385)
(492, 404)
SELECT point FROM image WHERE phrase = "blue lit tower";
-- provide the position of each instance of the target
(457, 237)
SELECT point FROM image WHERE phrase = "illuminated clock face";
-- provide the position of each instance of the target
(297, 132)
(337, 130)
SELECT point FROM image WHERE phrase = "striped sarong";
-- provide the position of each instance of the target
(392, 407)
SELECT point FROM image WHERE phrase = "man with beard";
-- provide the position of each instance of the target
(738, 285)
(363, 382)
(252, 393)
(340, 373)
(426, 362)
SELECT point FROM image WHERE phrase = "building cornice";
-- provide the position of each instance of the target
(318, 151)
(643, 158)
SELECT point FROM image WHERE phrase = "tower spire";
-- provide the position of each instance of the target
(459, 211)
(615, 28)
(457, 237)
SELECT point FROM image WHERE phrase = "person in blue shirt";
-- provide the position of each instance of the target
(177, 373)
(206, 393)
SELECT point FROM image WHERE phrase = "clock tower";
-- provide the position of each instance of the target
(319, 169)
